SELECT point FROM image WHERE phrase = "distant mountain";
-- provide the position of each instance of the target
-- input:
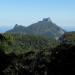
(43, 28)
(69, 28)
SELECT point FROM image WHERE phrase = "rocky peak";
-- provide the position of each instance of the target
(16, 25)
(47, 19)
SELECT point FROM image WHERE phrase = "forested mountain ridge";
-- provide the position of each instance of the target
(25, 54)
(42, 28)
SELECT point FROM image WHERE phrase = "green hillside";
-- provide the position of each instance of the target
(20, 44)
(68, 37)
(35, 55)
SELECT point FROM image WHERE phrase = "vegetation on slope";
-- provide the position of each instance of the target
(33, 55)
(20, 44)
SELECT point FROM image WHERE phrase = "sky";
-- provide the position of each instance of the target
(26, 12)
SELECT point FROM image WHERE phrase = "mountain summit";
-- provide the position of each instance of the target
(47, 19)
(42, 28)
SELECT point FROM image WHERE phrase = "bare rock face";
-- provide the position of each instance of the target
(47, 19)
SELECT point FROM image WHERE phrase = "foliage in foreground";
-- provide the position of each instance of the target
(47, 61)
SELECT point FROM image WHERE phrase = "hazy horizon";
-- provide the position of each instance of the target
(26, 12)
